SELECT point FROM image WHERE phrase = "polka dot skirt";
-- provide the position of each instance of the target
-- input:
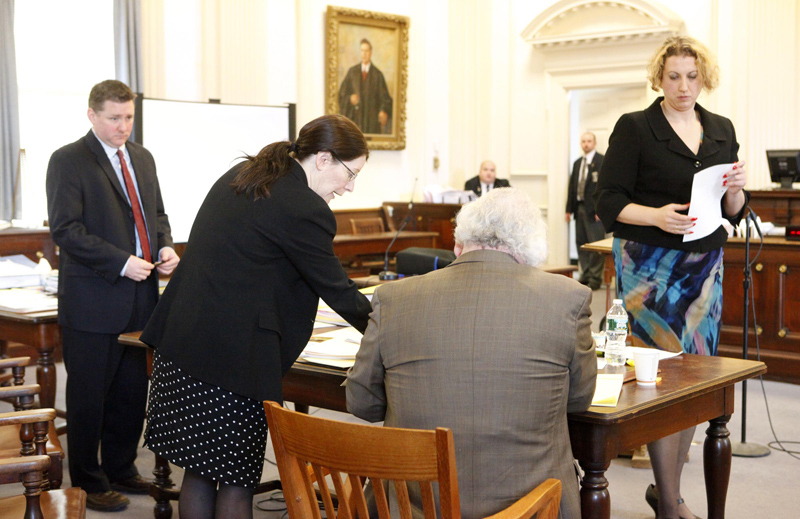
(200, 427)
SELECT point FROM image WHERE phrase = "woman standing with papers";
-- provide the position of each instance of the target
(241, 308)
(671, 286)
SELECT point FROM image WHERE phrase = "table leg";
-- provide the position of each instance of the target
(595, 499)
(717, 465)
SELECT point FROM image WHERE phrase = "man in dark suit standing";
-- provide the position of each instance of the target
(107, 216)
(588, 227)
(364, 97)
(486, 180)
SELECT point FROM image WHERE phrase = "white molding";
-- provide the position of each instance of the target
(529, 173)
(564, 24)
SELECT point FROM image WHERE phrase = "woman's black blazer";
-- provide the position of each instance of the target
(240, 307)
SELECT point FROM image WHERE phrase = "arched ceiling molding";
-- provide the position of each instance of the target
(575, 23)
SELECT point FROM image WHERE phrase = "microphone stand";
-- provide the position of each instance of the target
(386, 274)
(744, 449)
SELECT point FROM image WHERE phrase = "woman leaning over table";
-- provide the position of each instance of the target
(672, 289)
(241, 308)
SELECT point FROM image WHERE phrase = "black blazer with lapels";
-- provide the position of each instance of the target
(92, 223)
(474, 184)
(592, 171)
(240, 306)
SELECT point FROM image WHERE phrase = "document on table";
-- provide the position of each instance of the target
(707, 191)
(337, 348)
(607, 390)
(27, 300)
(325, 313)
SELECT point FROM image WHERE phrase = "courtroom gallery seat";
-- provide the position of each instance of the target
(36, 502)
(23, 396)
(309, 449)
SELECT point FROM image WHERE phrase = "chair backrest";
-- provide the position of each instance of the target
(366, 225)
(307, 448)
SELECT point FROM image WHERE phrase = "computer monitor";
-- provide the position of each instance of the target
(783, 166)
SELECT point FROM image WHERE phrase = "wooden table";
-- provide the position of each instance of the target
(609, 271)
(347, 245)
(693, 389)
(40, 330)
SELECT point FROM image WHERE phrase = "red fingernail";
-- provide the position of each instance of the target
(725, 183)
(691, 232)
(694, 224)
(725, 175)
(693, 219)
(734, 166)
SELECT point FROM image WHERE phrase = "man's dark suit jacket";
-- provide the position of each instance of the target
(92, 222)
(240, 306)
(474, 184)
(592, 171)
(374, 97)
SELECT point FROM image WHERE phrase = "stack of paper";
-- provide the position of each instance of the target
(18, 271)
(27, 300)
(325, 313)
(337, 348)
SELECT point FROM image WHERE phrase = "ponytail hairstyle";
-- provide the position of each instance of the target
(333, 133)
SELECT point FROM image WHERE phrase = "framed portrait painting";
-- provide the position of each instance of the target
(367, 73)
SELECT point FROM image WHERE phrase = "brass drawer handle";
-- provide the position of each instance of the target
(782, 333)
(759, 267)
(759, 330)
(782, 269)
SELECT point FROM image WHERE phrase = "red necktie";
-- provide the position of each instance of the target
(138, 216)
(363, 75)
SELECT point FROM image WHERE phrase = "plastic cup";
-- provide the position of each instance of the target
(646, 365)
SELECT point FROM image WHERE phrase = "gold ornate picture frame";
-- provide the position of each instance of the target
(373, 95)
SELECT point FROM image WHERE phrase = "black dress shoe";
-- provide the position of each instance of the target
(135, 485)
(651, 496)
(108, 501)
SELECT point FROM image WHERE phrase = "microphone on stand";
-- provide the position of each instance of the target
(754, 219)
(386, 274)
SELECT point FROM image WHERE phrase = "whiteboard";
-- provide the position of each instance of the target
(194, 144)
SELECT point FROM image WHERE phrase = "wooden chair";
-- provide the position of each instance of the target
(36, 502)
(307, 448)
(18, 440)
(366, 225)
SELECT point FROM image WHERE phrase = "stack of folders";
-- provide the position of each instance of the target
(18, 271)
(337, 348)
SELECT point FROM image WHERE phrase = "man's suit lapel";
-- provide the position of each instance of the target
(105, 164)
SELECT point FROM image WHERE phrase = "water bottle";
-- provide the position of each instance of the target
(616, 333)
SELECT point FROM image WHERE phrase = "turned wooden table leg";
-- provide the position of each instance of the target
(717, 465)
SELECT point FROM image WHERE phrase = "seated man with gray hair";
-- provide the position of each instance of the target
(491, 347)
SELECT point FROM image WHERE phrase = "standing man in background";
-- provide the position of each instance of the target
(364, 97)
(486, 180)
(106, 214)
(588, 227)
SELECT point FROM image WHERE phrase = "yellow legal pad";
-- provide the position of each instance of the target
(607, 390)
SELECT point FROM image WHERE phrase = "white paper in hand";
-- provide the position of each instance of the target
(707, 191)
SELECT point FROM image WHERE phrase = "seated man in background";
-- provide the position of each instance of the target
(491, 347)
(486, 180)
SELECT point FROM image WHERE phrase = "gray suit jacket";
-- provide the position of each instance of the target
(497, 351)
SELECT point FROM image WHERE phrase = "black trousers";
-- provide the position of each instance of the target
(106, 398)
(588, 230)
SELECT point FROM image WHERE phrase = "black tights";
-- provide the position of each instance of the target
(201, 499)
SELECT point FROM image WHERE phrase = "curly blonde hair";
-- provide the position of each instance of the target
(707, 67)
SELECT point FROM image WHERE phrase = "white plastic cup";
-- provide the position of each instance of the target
(646, 365)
